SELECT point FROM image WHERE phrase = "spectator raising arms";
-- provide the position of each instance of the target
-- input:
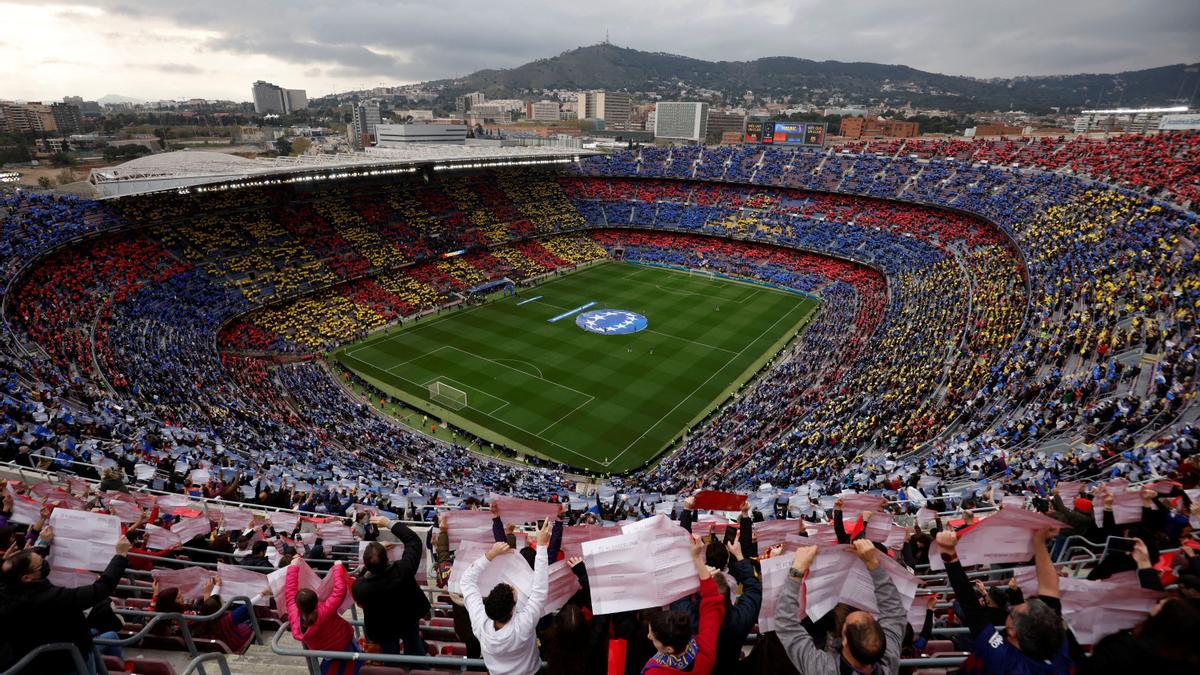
(316, 624)
(388, 593)
(505, 624)
(679, 651)
(35, 612)
(868, 645)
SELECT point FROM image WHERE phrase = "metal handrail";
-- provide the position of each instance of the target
(184, 619)
(69, 647)
(311, 655)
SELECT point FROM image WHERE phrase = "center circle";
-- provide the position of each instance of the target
(611, 321)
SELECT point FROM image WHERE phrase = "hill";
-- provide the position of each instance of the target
(606, 66)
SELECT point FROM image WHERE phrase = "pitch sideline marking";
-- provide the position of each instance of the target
(676, 337)
(702, 384)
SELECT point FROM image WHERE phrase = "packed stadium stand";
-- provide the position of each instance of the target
(1004, 358)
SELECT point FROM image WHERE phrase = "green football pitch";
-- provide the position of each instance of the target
(602, 402)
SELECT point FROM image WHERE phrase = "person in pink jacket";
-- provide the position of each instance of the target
(317, 624)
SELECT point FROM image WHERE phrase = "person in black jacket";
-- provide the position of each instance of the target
(258, 556)
(35, 612)
(388, 593)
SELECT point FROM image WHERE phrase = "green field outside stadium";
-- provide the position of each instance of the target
(601, 402)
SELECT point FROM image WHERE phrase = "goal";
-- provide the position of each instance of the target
(454, 399)
(707, 274)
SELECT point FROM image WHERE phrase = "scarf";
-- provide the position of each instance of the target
(682, 661)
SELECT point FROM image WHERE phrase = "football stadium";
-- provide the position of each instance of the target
(661, 408)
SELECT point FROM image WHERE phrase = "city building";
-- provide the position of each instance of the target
(26, 117)
(994, 129)
(543, 111)
(611, 107)
(400, 135)
(720, 123)
(489, 110)
(874, 127)
(683, 121)
(273, 99)
(67, 117)
(465, 102)
(1130, 120)
(362, 127)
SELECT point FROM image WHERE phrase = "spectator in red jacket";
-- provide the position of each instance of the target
(317, 624)
(671, 632)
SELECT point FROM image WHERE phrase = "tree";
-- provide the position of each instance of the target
(45, 182)
(300, 146)
(65, 176)
(284, 146)
(61, 158)
(162, 138)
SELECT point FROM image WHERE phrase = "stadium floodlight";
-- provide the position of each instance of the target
(440, 392)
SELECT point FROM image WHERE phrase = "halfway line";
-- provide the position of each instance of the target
(577, 309)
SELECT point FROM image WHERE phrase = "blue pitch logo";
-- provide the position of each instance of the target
(611, 321)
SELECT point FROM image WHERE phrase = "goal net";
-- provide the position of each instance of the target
(454, 399)
(707, 274)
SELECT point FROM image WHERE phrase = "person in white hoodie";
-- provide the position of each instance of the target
(505, 625)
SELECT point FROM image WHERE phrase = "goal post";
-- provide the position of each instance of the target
(707, 274)
(440, 392)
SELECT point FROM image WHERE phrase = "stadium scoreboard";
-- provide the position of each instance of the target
(786, 133)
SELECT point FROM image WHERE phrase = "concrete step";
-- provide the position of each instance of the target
(260, 660)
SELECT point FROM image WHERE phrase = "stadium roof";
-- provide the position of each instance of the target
(199, 170)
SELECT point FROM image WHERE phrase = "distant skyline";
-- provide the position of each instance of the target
(171, 49)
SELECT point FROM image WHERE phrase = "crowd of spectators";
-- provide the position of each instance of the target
(812, 581)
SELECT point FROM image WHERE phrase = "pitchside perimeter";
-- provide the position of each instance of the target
(608, 367)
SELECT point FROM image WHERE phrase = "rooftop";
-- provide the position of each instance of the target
(199, 170)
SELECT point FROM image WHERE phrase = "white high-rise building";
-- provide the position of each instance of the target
(680, 120)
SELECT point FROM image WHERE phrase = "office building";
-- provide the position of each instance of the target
(400, 135)
(612, 107)
(272, 99)
(721, 123)
(366, 119)
(874, 127)
(67, 117)
(464, 103)
(681, 121)
(543, 111)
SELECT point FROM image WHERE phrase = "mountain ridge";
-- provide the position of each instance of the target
(606, 66)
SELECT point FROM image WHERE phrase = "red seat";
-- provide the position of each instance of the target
(442, 622)
(385, 670)
(113, 664)
(938, 646)
(454, 649)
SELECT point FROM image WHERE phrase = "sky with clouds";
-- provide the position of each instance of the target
(171, 49)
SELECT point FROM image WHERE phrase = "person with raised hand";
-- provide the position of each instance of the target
(678, 648)
(1033, 638)
(388, 593)
(316, 623)
(35, 611)
(505, 624)
(868, 645)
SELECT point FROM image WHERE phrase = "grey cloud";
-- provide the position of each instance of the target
(428, 39)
